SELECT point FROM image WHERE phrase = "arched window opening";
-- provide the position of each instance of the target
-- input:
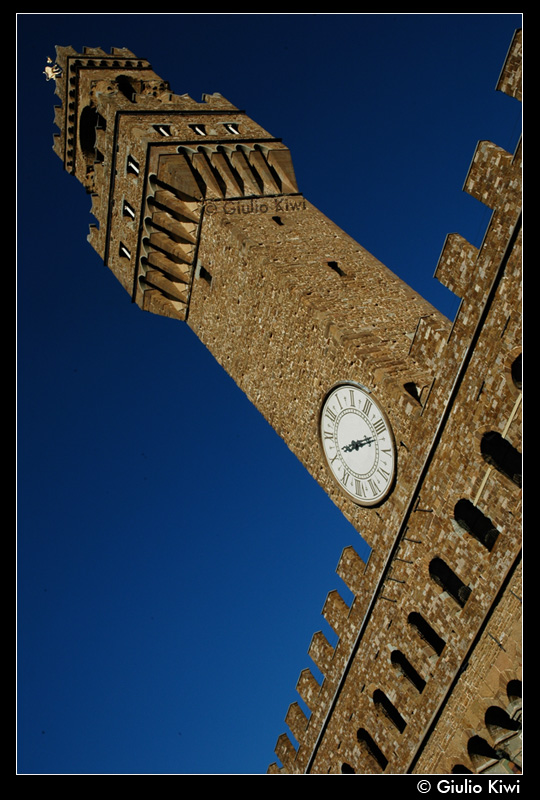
(447, 579)
(88, 123)
(405, 667)
(346, 769)
(514, 690)
(426, 632)
(472, 520)
(373, 749)
(482, 754)
(127, 86)
(461, 769)
(389, 710)
(500, 724)
(500, 454)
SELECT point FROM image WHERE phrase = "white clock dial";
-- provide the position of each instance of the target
(358, 443)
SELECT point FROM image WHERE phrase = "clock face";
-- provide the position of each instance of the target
(358, 443)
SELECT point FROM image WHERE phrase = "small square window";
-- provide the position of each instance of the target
(127, 210)
(163, 130)
(132, 166)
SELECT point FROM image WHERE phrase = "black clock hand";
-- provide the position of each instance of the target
(357, 444)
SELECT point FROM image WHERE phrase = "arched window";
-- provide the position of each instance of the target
(426, 632)
(389, 710)
(405, 667)
(500, 724)
(500, 454)
(346, 769)
(471, 519)
(128, 87)
(371, 746)
(514, 690)
(447, 579)
(89, 122)
(481, 753)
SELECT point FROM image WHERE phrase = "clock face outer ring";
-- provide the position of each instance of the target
(370, 484)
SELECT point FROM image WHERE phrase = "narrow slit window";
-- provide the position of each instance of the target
(200, 130)
(205, 275)
(124, 251)
(335, 266)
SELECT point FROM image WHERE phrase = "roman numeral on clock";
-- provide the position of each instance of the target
(379, 426)
(359, 488)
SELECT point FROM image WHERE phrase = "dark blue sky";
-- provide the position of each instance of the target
(173, 557)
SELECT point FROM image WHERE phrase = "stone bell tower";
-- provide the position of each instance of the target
(411, 424)
(199, 216)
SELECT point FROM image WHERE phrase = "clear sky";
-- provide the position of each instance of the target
(173, 557)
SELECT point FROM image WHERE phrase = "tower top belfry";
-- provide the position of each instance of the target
(149, 158)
